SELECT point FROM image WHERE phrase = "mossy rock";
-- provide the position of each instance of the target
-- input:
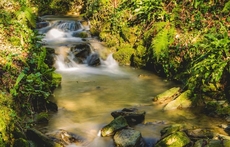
(117, 124)
(167, 94)
(128, 138)
(182, 101)
(82, 34)
(178, 139)
(208, 143)
(21, 143)
(171, 129)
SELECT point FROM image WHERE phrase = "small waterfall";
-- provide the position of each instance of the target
(73, 48)
(68, 26)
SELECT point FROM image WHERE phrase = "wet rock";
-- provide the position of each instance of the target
(81, 52)
(128, 138)
(39, 138)
(178, 139)
(51, 106)
(167, 96)
(200, 133)
(182, 101)
(93, 59)
(132, 115)
(66, 138)
(42, 24)
(115, 125)
(81, 33)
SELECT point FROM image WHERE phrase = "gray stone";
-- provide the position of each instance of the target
(132, 115)
(128, 138)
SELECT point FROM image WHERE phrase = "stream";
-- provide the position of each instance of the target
(88, 94)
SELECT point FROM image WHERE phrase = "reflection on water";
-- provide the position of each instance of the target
(88, 95)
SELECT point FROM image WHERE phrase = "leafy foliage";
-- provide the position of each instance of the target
(182, 40)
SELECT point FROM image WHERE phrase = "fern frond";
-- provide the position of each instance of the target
(163, 38)
(25, 14)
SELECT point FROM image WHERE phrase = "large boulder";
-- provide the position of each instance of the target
(128, 138)
(178, 139)
(115, 125)
(132, 115)
(182, 101)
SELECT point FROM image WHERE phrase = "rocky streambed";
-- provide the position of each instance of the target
(124, 130)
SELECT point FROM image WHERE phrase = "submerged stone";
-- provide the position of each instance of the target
(113, 126)
(128, 138)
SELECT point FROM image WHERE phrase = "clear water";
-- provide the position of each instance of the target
(88, 95)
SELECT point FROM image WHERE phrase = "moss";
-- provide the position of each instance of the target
(138, 57)
(56, 79)
(124, 54)
(110, 40)
(171, 129)
(7, 115)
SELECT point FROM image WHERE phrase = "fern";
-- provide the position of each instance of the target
(163, 38)
(25, 14)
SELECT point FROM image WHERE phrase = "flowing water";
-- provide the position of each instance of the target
(88, 95)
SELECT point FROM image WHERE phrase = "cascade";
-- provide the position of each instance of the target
(72, 44)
